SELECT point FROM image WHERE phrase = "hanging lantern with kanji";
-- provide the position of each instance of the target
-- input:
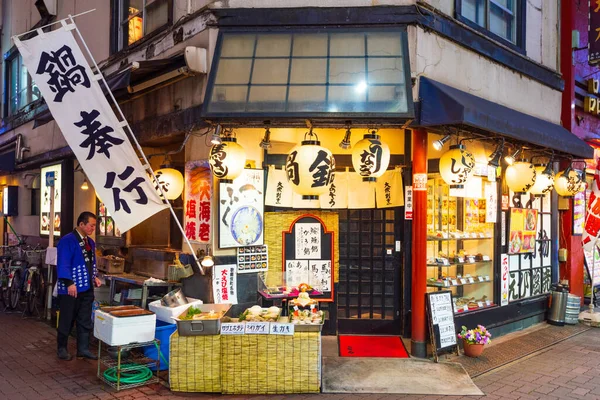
(370, 157)
(171, 182)
(310, 168)
(569, 182)
(227, 159)
(456, 166)
(520, 177)
(544, 180)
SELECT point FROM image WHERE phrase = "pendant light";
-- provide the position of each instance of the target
(227, 159)
(569, 182)
(520, 176)
(544, 180)
(371, 157)
(456, 166)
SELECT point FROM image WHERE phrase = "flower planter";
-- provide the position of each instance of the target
(472, 350)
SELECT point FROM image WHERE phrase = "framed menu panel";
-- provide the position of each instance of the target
(63, 205)
(440, 313)
(308, 255)
(522, 230)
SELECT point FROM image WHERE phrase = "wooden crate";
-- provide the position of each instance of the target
(110, 265)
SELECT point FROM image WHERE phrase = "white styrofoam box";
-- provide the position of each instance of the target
(117, 331)
(166, 314)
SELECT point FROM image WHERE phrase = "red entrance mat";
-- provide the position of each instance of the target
(372, 346)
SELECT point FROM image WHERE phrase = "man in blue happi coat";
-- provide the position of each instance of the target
(76, 267)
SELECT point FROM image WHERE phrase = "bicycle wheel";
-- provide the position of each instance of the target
(34, 292)
(15, 289)
(4, 287)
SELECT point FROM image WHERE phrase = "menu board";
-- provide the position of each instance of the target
(522, 230)
(105, 223)
(308, 255)
(578, 213)
(252, 259)
(441, 321)
(45, 200)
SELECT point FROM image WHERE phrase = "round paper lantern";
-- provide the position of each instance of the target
(543, 182)
(520, 177)
(370, 157)
(310, 169)
(227, 159)
(171, 182)
(456, 166)
(569, 182)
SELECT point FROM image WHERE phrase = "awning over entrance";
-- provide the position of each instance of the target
(444, 105)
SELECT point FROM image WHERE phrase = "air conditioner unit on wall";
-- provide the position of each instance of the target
(196, 59)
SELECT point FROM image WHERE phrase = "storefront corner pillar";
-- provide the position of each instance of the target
(419, 245)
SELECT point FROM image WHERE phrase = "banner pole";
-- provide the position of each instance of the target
(54, 23)
(134, 139)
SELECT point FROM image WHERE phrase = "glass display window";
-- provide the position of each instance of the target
(460, 244)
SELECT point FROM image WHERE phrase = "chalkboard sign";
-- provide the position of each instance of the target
(440, 313)
(308, 255)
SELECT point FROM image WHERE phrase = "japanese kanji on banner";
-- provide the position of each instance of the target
(592, 219)
(389, 190)
(279, 192)
(360, 194)
(89, 125)
(337, 194)
(198, 195)
(225, 284)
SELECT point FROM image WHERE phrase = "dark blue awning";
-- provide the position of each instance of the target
(443, 105)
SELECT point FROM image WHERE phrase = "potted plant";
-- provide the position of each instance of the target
(474, 340)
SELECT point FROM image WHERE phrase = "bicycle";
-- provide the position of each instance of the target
(5, 259)
(34, 278)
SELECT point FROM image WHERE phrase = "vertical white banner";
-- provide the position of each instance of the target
(89, 126)
(388, 189)
(504, 285)
(225, 284)
(279, 193)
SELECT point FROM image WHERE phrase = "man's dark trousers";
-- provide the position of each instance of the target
(75, 309)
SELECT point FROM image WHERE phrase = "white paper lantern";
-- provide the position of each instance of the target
(370, 157)
(310, 169)
(456, 166)
(227, 159)
(520, 177)
(569, 182)
(171, 182)
(543, 182)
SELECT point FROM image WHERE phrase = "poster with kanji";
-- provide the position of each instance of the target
(279, 192)
(241, 209)
(389, 191)
(308, 240)
(197, 201)
(224, 284)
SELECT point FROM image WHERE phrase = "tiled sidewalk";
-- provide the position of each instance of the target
(29, 369)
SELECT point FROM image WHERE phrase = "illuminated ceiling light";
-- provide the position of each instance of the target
(216, 136)
(84, 185)
(310, 167)
(265, 143)
(510, 159)
(456, 166)
(439, 144)
(543, 182)
(371, 157)
(361, 87)
(227, 159)
(520, 176)
(208, 260)
(345, 143)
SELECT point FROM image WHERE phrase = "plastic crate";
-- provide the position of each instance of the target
(163, 333)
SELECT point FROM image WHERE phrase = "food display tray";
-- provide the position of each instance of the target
(192, 327)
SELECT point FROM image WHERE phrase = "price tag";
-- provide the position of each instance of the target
(446, 283)
(461, 259)
(471, 259)
(480, 278)
(282, 328)
(487, 277)
(454, 283)
(233, 328)
(257, 328)
(462, 281)
(456, 310)
(445, 261)
(466, 307)
(480, 304)
(471, 280)
(488, 303)
(487, 258)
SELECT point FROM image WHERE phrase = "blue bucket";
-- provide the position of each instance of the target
(163, 333)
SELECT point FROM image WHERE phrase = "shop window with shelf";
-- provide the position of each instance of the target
(460, 246)
(531, 273)
(105, 224)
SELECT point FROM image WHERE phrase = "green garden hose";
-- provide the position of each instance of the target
(138, 375)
